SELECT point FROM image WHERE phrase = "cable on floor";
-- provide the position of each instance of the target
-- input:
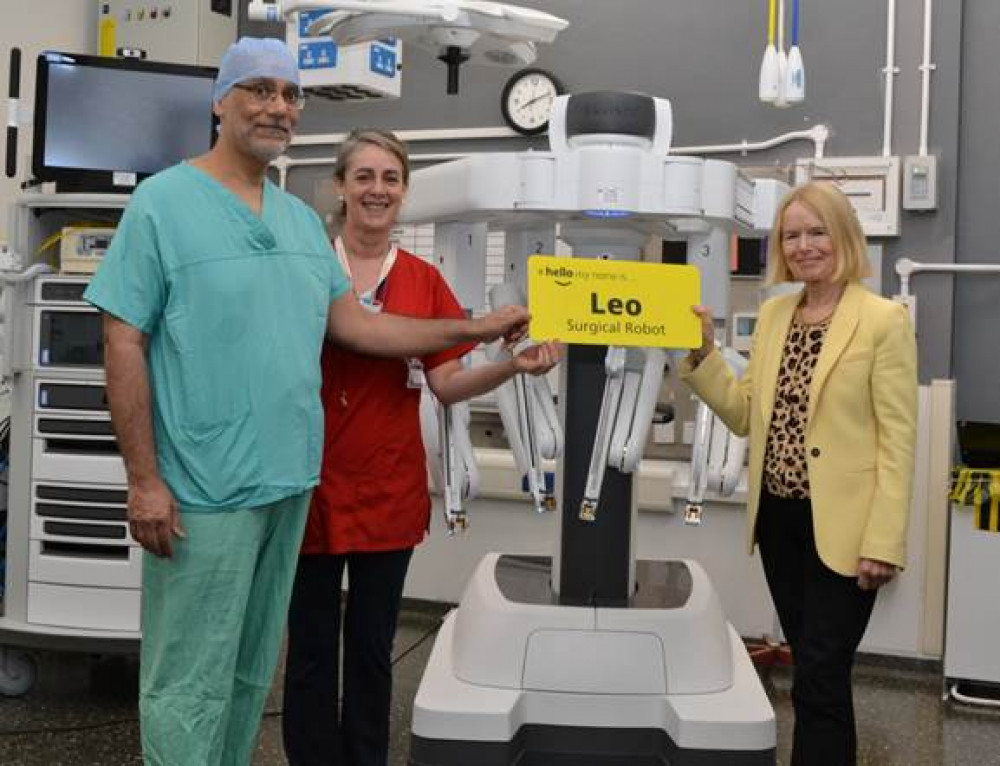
(135, 719)
(399, 658)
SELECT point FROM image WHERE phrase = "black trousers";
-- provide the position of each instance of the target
(824, 616)
(318, 731)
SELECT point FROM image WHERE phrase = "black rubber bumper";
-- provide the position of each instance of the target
(539, 745)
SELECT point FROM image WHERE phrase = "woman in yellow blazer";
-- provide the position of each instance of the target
(829, 403)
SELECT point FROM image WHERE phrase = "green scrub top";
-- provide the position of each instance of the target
(235, 307)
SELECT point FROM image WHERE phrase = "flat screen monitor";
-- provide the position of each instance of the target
(103, 124)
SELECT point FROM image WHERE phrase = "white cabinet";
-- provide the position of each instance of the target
(73, 571)
(972, 638)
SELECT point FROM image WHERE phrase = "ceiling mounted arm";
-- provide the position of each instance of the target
(455, 31)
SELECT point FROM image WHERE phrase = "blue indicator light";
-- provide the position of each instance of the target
(607, 213)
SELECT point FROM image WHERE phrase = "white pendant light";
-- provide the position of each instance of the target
(795, 73)
(770, 81)
(781, 101)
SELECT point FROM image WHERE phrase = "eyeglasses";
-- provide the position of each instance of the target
(262, 94)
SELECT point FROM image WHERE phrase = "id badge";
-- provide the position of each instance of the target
(414, 373)
(368, 303)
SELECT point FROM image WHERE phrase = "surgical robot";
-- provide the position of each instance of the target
(592, 656)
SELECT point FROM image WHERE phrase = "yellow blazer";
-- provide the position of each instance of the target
(861, 434)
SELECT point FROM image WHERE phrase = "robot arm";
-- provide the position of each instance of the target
(627, 408)
(450, 459)
(717, 455)
(614, 369)
(638, 405)
(528, 412)
(724, 474)
(530, 421)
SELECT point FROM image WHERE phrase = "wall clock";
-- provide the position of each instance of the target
(527, 100)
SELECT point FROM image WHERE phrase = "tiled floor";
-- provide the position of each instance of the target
(82, 712)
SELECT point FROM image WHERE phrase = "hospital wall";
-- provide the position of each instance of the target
(62, 25)
(704, 56)
(975, 350)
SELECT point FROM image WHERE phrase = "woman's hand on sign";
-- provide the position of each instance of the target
(704, 313)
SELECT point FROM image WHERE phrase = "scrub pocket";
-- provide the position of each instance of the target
(228, 459)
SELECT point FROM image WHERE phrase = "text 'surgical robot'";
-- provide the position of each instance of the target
(592, 656)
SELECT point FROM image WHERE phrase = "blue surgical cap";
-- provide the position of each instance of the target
(253, 57)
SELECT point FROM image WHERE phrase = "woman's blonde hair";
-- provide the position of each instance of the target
(847, 239)
(357, 140)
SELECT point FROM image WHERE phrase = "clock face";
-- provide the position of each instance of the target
(527, 100)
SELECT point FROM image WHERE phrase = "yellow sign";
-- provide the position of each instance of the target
(613, 303)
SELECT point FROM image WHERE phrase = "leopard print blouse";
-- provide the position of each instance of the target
(785, 471)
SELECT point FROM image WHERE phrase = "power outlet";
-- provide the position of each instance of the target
(7, 260)
(663, 433)
(687, 432)
(920, 182)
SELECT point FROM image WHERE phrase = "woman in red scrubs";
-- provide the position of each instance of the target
(372, 505)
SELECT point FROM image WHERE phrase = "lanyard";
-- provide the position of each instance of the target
(368, 300)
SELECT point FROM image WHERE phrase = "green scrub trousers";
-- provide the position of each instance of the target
(213, 618)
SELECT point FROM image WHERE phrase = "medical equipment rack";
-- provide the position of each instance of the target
(72, 578)
(972, 635)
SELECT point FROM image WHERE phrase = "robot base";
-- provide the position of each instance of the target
(515, 679)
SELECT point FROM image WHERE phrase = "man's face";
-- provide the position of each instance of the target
(260, 116)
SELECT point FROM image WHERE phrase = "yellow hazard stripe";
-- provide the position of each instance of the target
(980, 490)
(994, 502)
(106, 37)
(959, 485)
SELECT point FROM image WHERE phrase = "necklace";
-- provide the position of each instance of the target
(803, 314)
(824, 305)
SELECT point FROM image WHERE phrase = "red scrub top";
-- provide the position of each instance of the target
(372, 494)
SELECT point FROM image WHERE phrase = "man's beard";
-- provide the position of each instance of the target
(268, 150)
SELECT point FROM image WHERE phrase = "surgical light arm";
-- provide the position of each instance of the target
(455, 30)
(502, 20)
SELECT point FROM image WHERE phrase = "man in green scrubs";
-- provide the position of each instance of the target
(217, 292)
